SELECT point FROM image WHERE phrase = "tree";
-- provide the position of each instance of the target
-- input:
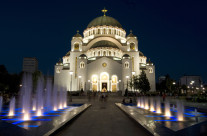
(143, 83)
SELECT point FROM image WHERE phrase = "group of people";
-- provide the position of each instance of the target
(124, 101)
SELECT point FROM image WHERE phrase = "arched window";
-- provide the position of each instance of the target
(76, 46)
(109, 53)
(132, 46)
(126, 64)
(109, 31)
(99, 31)
(104, 53)
(114, 53)
(104, 31)
(94, 53)
(58, 70)
(99, 53)
(150, 70)
(82, 65)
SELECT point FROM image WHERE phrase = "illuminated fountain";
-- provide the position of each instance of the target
(27, 90)
(167, 108)
(146, 103)
(1, 103)
(180, 110)
(158, 105)
(142, 102)
(49, 95)
(39, 96)
(12, 107)
(34, 101)
(55, 106)
(34, 104)
(152, 108)
(138, 102)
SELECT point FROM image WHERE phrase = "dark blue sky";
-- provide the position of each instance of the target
(172, 33)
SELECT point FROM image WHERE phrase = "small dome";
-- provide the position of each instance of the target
(125, 55)
(149, 62)
(104, 44)
(140, 53)
(82, 56)
(131, 34)
(77, 34)
(104, 20)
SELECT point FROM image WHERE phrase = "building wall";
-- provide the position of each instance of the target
(186, 80)
(151, 77)
(112, 68)
(30, 65)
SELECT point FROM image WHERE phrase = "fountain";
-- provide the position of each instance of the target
(146, 103)
(39, 96)
(27, 89)
(142, 102)
(34, 104)
(1, 103)
(12, 107)
(180, 110)
(158, 105)
(48, 94)
(152, 104)
(55, 98)
(138, 102)
(167, 108)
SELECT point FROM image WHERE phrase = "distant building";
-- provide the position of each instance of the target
(161, 79)
(30, 65)
(191, 81)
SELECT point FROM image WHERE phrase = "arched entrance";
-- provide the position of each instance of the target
(94, 83)
(104, 82)
(114, 83)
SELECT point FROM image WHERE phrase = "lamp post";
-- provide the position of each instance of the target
(127, 81)
(71, 73)
(133, 73)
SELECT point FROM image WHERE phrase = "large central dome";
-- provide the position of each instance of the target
(104, 20)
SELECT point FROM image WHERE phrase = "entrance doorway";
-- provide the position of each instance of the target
(104, 87)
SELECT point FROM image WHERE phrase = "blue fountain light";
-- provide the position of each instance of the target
(28, 125)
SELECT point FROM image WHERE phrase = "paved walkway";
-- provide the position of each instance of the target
(103, 119)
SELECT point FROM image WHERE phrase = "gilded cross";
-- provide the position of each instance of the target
(104, 11)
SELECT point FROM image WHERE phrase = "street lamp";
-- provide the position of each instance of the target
(71, 73)
(127, 81)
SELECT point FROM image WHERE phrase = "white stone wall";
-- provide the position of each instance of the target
(112, 68)
(126, 72)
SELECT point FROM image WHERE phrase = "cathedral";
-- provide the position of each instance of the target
(103, 59)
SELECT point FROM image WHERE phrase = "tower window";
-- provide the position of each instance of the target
(76, 46)
(126, 64)
(132, 46)
(82, 65)
(150, 70)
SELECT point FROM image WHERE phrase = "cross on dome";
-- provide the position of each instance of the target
(104, 11)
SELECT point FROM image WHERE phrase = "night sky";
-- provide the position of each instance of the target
(172, 33)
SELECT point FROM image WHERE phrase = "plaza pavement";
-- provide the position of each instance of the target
(102, 119)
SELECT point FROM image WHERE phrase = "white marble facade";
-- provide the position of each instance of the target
(103, 59)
